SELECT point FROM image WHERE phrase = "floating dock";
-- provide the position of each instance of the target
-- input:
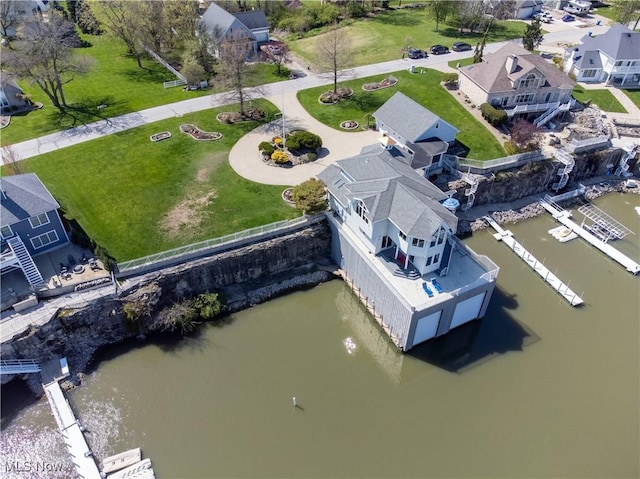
(562, 234)
(507, 238)
(71, 430)
(563, 217)
(120, 461)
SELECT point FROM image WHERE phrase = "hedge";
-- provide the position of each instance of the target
(492, 115)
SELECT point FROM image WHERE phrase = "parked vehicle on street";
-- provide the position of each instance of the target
(568, 18)
(543, 17)
(461, 47)
(415, 53)
(439, 49)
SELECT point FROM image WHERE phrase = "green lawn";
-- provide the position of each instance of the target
(424, 88)
(634, 96)
(116, 81)
(606, 11)
(122, 188)
(382, 38)
(463, 63)
(603, 98)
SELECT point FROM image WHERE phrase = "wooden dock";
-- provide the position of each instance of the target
(507, 238)
(122, 460)
(563, 217)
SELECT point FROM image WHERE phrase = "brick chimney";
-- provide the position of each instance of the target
(511, 64)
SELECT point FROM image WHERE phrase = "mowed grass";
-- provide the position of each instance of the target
(601, 97)
(634, 96)
(424, 88)
(122, 187)
(382, 38)
(116, 81)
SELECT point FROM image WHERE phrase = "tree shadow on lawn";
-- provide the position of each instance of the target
(87, 110)
(365, 102)
(147, 75)
(398, 18)
(496, 34)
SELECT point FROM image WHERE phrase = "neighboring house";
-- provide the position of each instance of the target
(422, 135)
(522, 83)
(30, 224)
(14, 12)
(223, 26)
(392, 236)
(612, 58)
(11, 95)
(524, 9)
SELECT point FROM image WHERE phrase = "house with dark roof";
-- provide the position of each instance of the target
(612, 58)
(223, 26)
(520, 82)
(394, 241)
(422, 135)
(30, 224)
(11, 95)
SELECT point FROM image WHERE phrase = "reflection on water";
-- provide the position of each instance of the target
(535, 389)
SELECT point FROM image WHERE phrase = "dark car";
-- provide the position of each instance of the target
(439, 49)
(461, 47)
(415, 53)
(568, 18)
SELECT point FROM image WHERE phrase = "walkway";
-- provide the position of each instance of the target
(74, 136)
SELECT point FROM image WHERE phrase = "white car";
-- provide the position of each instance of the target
(543, 17)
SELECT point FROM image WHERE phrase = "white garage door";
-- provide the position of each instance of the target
(426, 328)
(467, 310)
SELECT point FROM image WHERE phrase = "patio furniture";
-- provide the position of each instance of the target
(78, 269)
(93, 264)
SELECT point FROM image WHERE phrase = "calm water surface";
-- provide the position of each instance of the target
(536, 389)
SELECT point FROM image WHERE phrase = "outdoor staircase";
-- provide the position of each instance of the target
(27, 265)
(446, 254)
(470, 192)
(552, 112)
(19, 366)
(407, 273)
(566, 158)
(623, 166)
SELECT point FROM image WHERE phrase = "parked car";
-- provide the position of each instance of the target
(415, 53)
(461, 47)
(439, 49)
(543, 17)
(568, 18)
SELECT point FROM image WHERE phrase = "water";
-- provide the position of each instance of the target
(536, 389)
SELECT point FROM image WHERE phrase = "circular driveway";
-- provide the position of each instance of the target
(246, 160)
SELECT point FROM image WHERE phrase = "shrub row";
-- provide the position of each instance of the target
(492, 115)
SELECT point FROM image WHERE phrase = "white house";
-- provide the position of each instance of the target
(223, 26)
(422, 136)
(612, 58)
(520, 82)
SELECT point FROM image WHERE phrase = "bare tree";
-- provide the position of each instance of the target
(234, 68)
(120, 17)
(44, 56)
(439, 10)
(627, 11)
(277, 54)
(334, 53)
(10, 18)
(10, 159)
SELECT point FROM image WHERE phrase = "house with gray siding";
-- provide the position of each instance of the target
(30, 224)
(396, 245)
(223, 26)
(422, 136)
(12, 97)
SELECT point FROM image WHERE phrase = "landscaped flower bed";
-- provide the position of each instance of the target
(231, 117)
(197, 134)
(331, 98)
(349, 125)
(163, 135)
(300, 147)
(387, 82)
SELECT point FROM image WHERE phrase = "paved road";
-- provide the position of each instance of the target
(565, 33)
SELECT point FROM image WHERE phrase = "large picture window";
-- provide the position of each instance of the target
(361, 211)
(589, 73)
(6, 232)
(44, 239)
(41, 219)
(527, 98)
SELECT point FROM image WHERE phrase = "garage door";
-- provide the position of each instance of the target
(467, 310)
(426, 328)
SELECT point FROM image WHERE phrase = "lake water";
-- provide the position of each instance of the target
(535, 389)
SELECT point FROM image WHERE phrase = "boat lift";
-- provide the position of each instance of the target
(603, 226)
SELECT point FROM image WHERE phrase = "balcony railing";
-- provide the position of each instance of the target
(532, 108)
(8, 258)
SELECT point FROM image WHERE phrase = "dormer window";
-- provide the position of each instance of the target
(361, 211)
(529, 82)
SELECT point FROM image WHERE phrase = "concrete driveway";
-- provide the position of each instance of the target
(246, 160)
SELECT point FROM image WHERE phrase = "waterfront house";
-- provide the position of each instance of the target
(223, 26)
(520, 82)
(612, 58)
(395, 243)
(30, 224)
(422, 136)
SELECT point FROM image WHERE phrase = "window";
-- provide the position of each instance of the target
(618, 64)
(529, 82)
(436, 258)
(441, 236)
(417, 242)
(361, 211)
(589, 73)
(429, 260)
(526, 98)
(386, 242)
(3, 99)
(403, 236)
(434, 238)
(6, 232)
(39, 220)
(44, 239)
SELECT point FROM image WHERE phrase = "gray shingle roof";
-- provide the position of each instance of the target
(390, 189)
(405, 116)
(24, 196)
(253, 19)
(619, 42)
(590, 59)
(491, 74)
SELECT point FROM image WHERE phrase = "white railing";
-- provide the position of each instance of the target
(530, 108)
(174, 83)
(161, 60)
(19, 366)
(482, 167)
(579, 146)
(211, 246)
